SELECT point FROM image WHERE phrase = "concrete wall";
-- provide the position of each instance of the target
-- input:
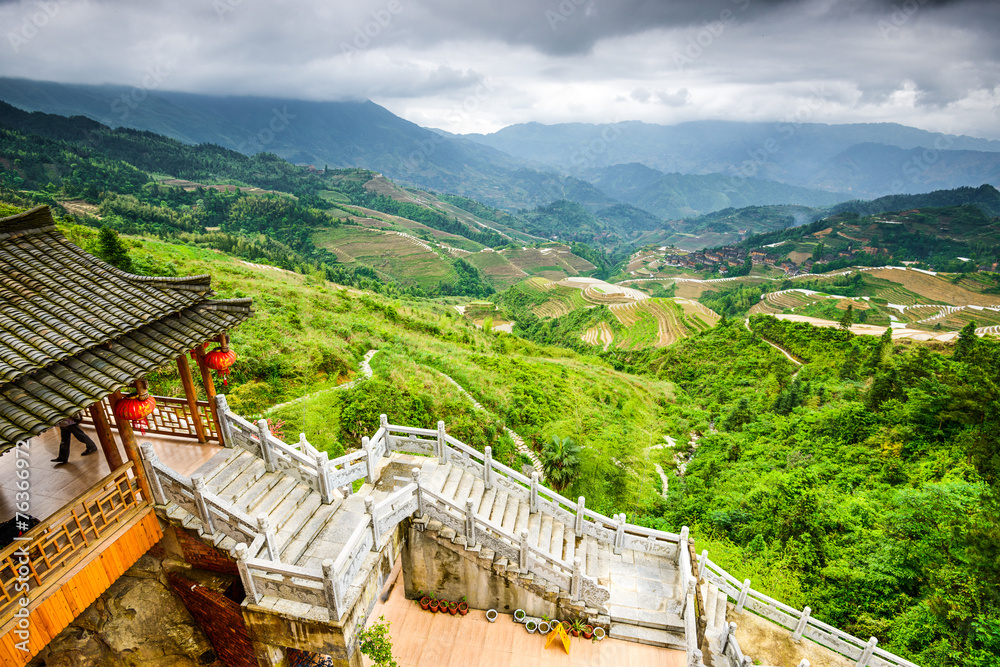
(434, 564)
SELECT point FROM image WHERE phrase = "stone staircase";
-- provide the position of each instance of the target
(645, 598)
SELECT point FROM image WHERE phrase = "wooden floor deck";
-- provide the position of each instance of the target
(51, 486)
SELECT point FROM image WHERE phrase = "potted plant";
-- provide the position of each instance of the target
(435, 604)
(463, 607)
(576, 628)
(424, 600)
(491, 615)
(519, 616)
(588, 631)
(452, 607)
(544, 627)
(531, 626)
(598, 634)
(567, 627)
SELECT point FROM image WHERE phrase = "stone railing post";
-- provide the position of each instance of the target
(694, 660)
(264, 527)
(867, 655)
(245, 575)
(222, 410)
(488, 467)
(522, 561)
(580, 505)
(576, 586)
(470, 524)
(702, 564)
(264, 435)
(149, 461)
(742, 599)
(420, 498)
(688, 595)
(533, 498)
(442, 444)
(383, 423)
(369, 460)
(747, 661)
(730, 632)
(331, 590)
(619, 533)
(370, 510)
(682, 546)
(323, 476)
(800, 627)
(804, 663)
(198, 482)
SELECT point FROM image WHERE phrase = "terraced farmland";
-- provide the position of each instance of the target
(931, 289)
(651, 323)
(497, 268)
(554, 262)
(599, 335)
(562, 301)
(399, 257)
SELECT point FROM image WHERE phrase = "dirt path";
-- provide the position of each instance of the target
(792, 359)
(366, 371)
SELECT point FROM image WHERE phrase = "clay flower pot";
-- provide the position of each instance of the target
(435, 605)
(491, 615)
(425, 603)
(452, 607)
(463, 608)
(588, 631)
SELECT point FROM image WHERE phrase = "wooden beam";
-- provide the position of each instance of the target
(192, 396)
(209, 383)
(105, 436)
(131, 448)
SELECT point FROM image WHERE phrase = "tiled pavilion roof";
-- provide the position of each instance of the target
(74, 329)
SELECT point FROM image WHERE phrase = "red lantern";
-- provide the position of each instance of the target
(136, 408)
(220, 359)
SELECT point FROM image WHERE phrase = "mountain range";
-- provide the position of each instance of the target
(671, 172)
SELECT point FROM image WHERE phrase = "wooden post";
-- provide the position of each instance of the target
(131, 448)
(104, 435)
(192, 397)
(209, 383)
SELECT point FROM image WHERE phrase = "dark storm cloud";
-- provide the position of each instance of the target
(932, 63)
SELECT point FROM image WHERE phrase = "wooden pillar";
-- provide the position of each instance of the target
(206, 379)
(131, 449)
(192, 396)
(104, 435)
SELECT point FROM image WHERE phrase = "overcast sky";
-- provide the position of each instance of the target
(474, 66)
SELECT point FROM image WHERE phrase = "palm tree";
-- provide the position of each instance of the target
(560, 460)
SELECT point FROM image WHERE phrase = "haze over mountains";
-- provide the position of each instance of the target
(673, 172)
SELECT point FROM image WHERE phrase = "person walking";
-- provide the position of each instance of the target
(70, 427)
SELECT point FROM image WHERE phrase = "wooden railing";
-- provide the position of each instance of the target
(51, 548)
(172, 416)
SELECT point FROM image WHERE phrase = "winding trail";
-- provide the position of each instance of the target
(792, 359)
(518, 441)
(366, 372)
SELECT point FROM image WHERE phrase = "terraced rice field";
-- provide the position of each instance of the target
(497, 268)
(932, 289)
(959, 318)
(599, 335)
(562, 301)
(555, 262)
(650, 323)
(696, 315)
(902, 296)
(599, 295)
(394, 255)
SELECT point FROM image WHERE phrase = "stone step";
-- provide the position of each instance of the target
(294, 522)
(451, 483)
(555, 545)
(464, 488)
(500, 565)
(710, 594)
(650, 636)
(569, 546)
(235, 463)
(486, 504)
(589, 548)
(233, 491)
(259, 489)
(720, 610)
(289, 505)
(476, 494)
(534, 526)
(658, 620)
(499, 507)
(266, 503)
(510, 514)
(307, 534)
(545, 533)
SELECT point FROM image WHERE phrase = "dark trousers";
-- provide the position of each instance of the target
(65, 432)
